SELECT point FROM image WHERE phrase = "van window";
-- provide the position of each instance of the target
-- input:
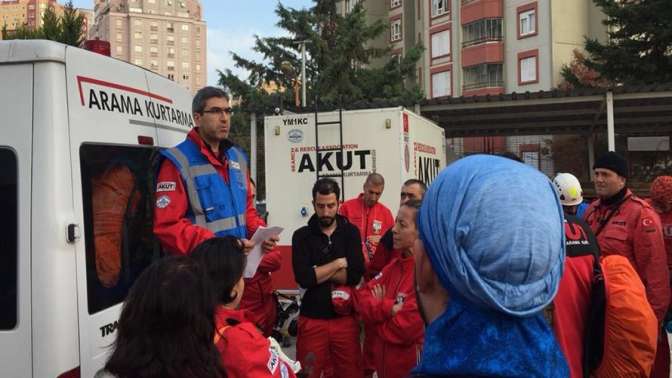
(117, 190)
(8, 239)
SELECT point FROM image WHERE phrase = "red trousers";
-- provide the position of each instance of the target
(369, 349)
(323, 343)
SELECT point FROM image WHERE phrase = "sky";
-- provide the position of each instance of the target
(232, 25)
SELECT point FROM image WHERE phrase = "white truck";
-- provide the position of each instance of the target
(78, 136)
(394, 142)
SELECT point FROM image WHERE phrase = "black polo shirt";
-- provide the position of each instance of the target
(311, 248)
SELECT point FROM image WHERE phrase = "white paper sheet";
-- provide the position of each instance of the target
(256, 254)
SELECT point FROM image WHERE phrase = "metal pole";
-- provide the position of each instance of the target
(303, 74)
(611, 135)
(253, 146)
(591, 155)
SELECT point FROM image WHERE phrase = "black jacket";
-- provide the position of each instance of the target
(311, 248)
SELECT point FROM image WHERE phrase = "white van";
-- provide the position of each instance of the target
(75, 126)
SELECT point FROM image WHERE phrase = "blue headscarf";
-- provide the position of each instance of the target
(493, 231)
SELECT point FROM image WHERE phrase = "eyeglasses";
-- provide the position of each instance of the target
(219, 111)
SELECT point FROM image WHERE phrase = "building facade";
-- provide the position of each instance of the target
(164, 36)
(489, 47)
(16, 13)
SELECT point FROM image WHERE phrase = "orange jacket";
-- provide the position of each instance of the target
(370, 221)
(635, 232)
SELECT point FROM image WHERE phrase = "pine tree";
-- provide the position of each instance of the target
(639, 50)
(51, 25)
(71, 26)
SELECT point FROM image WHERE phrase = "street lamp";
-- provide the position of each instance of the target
(303, 70)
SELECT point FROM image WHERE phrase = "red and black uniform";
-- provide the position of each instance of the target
(626, 225)
(400, 336)
(370, 221)
(172, 227)
(258, 298)
(244, 350)
(571, 305)
(324, 337)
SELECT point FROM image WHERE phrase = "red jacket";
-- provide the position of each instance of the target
(634, 231)
(666, 221)
(244, 350)
(171, 226)
(370, 221)
(258, 298)
(399, 337)
(385, 253)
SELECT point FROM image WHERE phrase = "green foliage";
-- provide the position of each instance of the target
(639, 50)
(65, 29)
(338, 65)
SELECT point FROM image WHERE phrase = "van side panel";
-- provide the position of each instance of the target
(55, 341)
(16, 107)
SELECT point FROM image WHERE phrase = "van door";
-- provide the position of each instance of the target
(16, 107)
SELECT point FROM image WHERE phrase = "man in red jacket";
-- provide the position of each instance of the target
(258, 298)
(371, 217)
(388, 302)
(176, 218)
(626, 225)
(661, 200)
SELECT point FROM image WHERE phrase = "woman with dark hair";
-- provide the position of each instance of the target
(166, 327)
(244, 351)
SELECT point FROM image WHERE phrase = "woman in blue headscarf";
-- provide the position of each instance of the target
(488, 261)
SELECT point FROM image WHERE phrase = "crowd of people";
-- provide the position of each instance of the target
(492, 271)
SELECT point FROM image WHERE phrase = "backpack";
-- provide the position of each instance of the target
(621, 331)
(630, 331)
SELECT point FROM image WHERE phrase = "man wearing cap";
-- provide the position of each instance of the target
(488, 261)
(626, 225)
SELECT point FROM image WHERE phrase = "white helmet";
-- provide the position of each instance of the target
(569, 189)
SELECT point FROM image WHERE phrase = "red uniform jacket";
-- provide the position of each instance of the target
(245, 351)
(385, 253)
(171, 226)
(634, 231)
(400, 337)
(370, 221)
(666, 221)
(258, 298)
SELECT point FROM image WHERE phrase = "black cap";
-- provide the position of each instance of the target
(613, 162)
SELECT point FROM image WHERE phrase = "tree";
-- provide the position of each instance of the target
(639, 50)
(338, 65)
(577, 75)
(65, 29)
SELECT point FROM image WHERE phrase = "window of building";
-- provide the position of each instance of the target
(439, 7)
(151, 1)
(528, 67)
(119, 49)
(154, 65)
(441, 44)
(170, 65)
(483, 76)
(441, 84)
(198, 68)
(137, 23)
(154, 27)
(129, 172)
(154, 39)
(350, 5)
(185, 65)
(527, 20)
(395, 30)
(184, 40)
(9, 247)
(138, 62)
(169, 27)
(171, 76)
(185, 27)
(118, 23)
(138, 49)
(395, 3)
(483, 30)
(119, 37)
(137, 35)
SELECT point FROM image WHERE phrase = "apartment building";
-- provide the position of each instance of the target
(164, 36)
(489, 47)
(16, 13)
(479, 47)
